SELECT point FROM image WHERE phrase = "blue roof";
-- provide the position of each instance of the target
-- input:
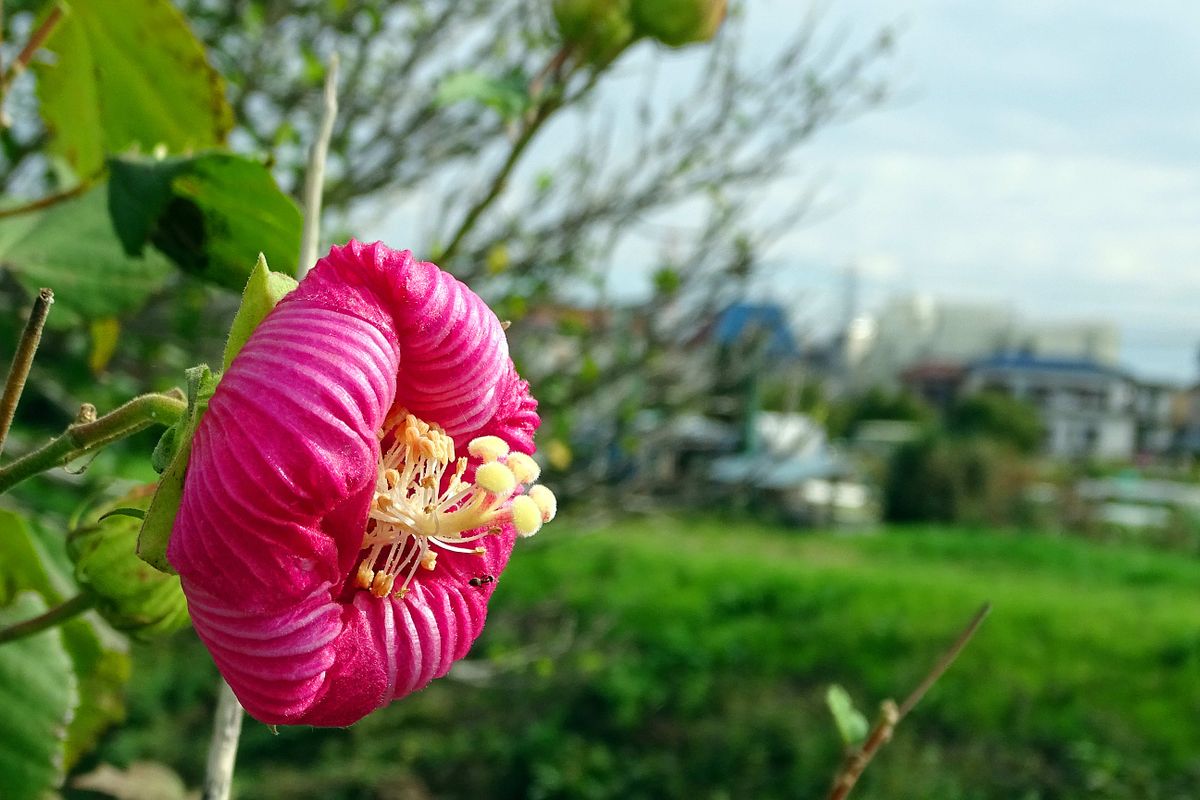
(1028, 361)
(742, 319)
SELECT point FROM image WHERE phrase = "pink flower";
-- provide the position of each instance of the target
(336, 551)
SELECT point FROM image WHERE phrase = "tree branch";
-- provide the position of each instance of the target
(314, 182)
(23, 361)
(890, 714)
(222, 748)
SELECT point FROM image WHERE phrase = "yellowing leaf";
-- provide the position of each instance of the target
(128, 73)
(105, 332)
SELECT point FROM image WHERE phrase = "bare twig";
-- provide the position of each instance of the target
(314, 182)
(55, 616)
(47, 201)
(890, 714)
(222, 748)
(36, 40)
(23, 361)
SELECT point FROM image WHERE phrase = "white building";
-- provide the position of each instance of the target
(1088, 409)
(919, 328)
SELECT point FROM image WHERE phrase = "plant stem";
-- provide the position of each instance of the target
(222, 748)
(55, 616)
(80, 437)
(890, 714)
(23, 361)
(47, 201)
(545, 108)
(314, 179)
(36, 40)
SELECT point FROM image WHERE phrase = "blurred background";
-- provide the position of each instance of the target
(843, 318)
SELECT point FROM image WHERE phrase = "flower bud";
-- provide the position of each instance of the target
(130, 594)
(676, 23)
(598, 29)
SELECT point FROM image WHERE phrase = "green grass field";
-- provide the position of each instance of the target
(672, 658)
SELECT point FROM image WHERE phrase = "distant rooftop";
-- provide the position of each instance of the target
(1029, 361)
(740, 320)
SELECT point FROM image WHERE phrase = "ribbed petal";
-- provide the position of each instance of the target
(283, 468)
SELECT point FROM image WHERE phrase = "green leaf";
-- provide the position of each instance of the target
(210, 214)
(263, 291)
(38, 693)
(160, 516)
(21, 567)
(851, 724)
(508, 95)
(131, 595)
(128, 73)
(71, 248)
(99, 656)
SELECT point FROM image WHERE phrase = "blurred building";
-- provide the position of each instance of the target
(1088, 409)
(919, 330)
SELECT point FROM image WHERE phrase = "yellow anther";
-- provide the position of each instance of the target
(382, 501)
(526, 516)
(364, 576)
(496, 478)
(429, 560)
(546, 502)
(382, 585)
(488, 448)
(392, 477)
(524, 467)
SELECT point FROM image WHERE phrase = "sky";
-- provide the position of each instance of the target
(1042, 155)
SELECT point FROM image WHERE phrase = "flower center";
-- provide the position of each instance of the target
(418, 512)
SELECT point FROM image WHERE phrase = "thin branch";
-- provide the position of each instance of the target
(891, 714)
(47, 201)
(81, 436)
(222, 748)
(36, 40)
(55, 616)
(314, 182)
(18, 371)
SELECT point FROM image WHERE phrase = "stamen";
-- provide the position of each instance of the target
(411, 513)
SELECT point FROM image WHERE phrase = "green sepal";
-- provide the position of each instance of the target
(130, 594)
(160, 516)
(263, 291)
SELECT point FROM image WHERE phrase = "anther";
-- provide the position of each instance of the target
(523, 467)
(488, 448)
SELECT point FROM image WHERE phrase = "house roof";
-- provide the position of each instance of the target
(1028, 361)
(740, 319)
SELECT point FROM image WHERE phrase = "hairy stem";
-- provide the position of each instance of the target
(55, 616)
(890, 714)
(85, 435)
(222, 748)
(23, 361)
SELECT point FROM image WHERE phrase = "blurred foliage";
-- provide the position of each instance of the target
(691, 658)
(997, 416)
(940, 478)
(877, 404)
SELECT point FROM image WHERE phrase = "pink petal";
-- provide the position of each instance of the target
(283, 468)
